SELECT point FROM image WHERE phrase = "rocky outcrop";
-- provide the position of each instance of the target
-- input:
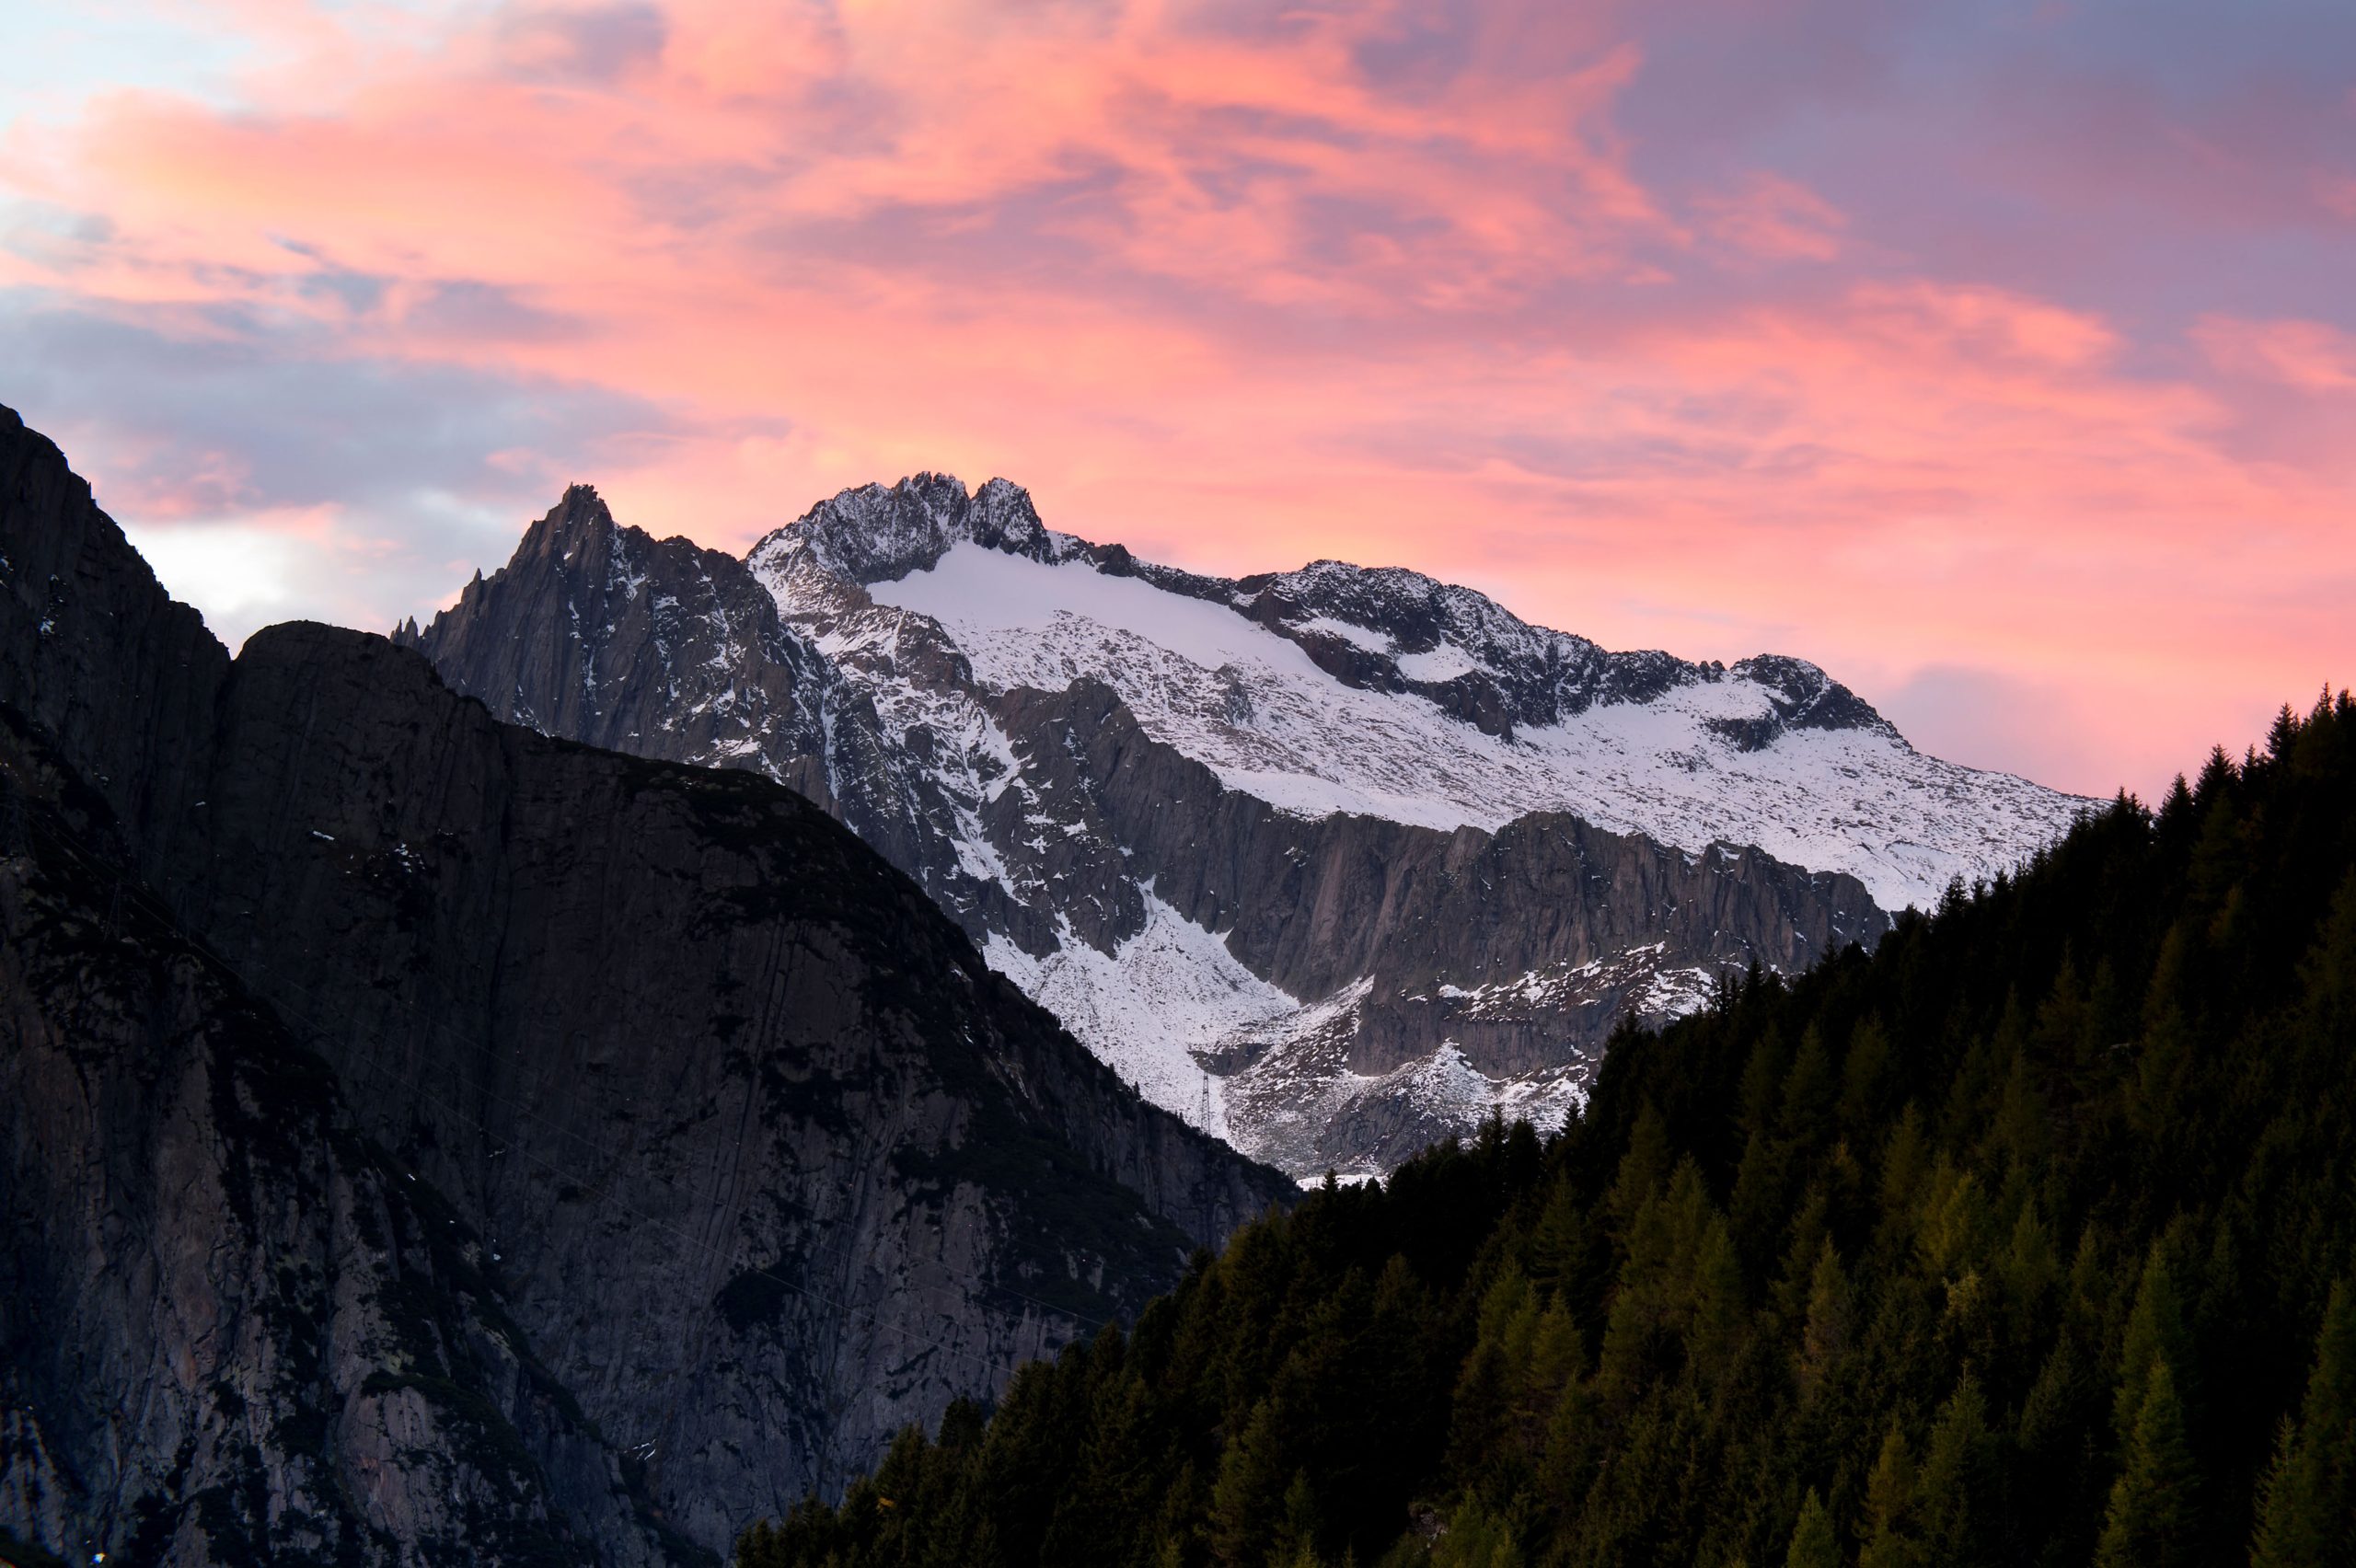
(93, 651)
(768, 1162)
(679, 652)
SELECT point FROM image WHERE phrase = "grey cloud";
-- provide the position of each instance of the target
(358, 292)
(306, 425)
(435, 467)
(597, 45)
(488, 311)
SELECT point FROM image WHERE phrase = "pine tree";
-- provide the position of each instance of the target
(1865, 1076)
(1297, 1535)
(2154, 1510)
(1559, 1241)
(1813, 1544)
(1476, 1539)
(1958, 1477)
(1889, 1507)
(2156, 1336)
(1246, 1501)
(2308, 1507)
(1824, 1336)
(1643, 1169)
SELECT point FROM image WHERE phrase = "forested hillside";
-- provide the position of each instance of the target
(2026, 1240)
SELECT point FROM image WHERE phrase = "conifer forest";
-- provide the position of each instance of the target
(2029, 1238)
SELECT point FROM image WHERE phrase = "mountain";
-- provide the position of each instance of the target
(723, 1152)
(1334, 862)
(2027, 1239)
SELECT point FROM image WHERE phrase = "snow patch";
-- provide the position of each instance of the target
(982, 593)
(1442, 663)
(1169, 989)
(1357, 636)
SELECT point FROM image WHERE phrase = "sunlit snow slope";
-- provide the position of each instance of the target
(1254, 706)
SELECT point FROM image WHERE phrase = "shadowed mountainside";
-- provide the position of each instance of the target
(767, 1161)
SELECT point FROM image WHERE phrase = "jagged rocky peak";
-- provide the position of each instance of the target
(581, 532)
(878, 534)
(1392, 628)
(1806, 698)
(580, 516)
(655, 638)
(1377, 629)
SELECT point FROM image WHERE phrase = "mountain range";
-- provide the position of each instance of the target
(1333, 862)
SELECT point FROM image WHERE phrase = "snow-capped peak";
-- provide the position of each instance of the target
(879, 534)
(1385, 692)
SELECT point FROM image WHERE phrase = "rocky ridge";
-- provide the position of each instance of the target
(764, 1160)
(1332, 861)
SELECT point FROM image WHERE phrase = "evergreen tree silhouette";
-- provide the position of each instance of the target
(2154, 1510)
(1813, 1544)
(2307, 1507)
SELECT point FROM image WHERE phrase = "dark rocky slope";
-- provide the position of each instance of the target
(772, 1164)
(1313, 905)
(232, 1329)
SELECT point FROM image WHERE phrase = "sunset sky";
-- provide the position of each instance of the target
(1998, 357)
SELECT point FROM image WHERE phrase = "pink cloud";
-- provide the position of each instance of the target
(1774, 219)
(2310, 356)
(1243, 299)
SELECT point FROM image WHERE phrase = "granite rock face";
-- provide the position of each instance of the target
(1327, 982)
(767, 1162)
(92, 651)
(233, 1329)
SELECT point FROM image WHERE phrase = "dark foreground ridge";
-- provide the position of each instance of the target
(2030, 1239)
(484, 1149)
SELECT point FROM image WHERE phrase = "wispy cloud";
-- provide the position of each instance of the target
(1966, 353)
